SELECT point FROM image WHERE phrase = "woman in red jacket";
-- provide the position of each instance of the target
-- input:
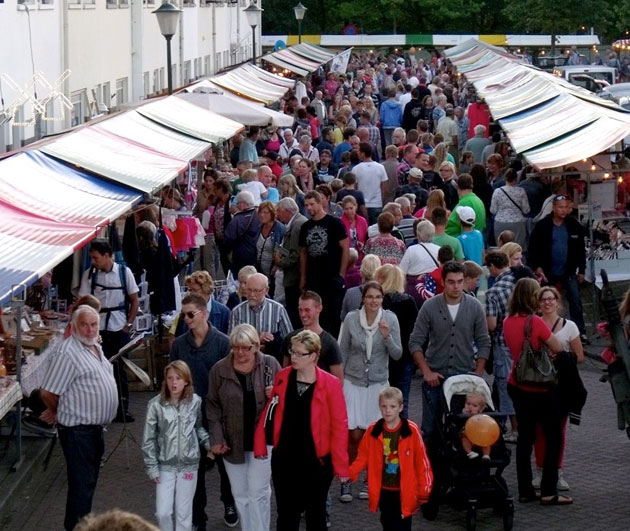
(306, 423)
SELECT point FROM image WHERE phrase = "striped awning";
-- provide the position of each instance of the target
(301, 59)
(547, 120)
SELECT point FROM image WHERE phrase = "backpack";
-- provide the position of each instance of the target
(122, 269)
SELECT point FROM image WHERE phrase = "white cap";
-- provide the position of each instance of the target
(466, 214)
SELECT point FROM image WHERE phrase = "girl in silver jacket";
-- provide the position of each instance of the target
(170, 445)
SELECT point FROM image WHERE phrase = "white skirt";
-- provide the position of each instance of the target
(362, 404)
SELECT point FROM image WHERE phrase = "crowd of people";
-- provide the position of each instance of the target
(359, 238)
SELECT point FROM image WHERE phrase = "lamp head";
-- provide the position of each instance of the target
(300, 11)
(168, 16)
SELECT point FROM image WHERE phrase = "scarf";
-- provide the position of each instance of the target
(370, 330)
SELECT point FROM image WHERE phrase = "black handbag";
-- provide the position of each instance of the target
(534, 367)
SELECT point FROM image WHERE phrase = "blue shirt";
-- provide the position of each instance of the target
(472, 245)
(273, 195)
(340, 150)
(560, 246)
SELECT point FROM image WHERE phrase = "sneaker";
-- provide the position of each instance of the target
(230, 517)
(472, 455)
(485, 458)
(346, 493)
(562, 483)
(510, 437)
(537, 479)
(363, 493)
(328, 524)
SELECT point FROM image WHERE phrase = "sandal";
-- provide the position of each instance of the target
(556, 500)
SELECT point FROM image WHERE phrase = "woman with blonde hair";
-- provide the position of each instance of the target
(514, 252)
(448, 175)
(392, 280)
(441, 154)
(240, 385)
(288, 188)
(435, 199)
(371, 109)
(269, 237)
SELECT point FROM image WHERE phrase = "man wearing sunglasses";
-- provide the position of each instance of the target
(201, 347)
(557, 251)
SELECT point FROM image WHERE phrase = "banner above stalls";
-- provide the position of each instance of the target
(187, 118)
(547, 120)
(48, 210)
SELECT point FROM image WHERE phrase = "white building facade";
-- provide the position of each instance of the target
(114, 51)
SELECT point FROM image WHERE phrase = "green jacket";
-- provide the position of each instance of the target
(453, 228)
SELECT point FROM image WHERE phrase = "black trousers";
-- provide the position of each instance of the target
(83, 448)
(332, 293)
(302, 489)
(200, 499)
(112, 343)
(533, 408)
(292, 298)
(391, 512)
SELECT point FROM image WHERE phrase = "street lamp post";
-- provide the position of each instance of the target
(168, 16)
(253, 14)
(300, 11)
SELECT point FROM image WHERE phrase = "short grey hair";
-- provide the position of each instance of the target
(245, 197)
(305, 138)
(243, 334)
(288, 204)
(425, 231)
(149, 225)
(480, 130)
(403, 202)
(83, 309)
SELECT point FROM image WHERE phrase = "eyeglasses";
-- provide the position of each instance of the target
(241, 348)
(374, 297)
(299, 354)
(547, 299)
(190, 315)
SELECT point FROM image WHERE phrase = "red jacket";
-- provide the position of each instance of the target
(329, 419)
(416, 478)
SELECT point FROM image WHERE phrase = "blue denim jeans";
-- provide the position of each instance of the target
(571, 290)
(83, 448)
(432, 410)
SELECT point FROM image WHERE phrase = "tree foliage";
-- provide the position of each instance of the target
(611, 19)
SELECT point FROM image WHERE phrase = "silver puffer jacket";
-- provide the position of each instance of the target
(172, 436)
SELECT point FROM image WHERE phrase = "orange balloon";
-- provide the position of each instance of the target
(482, 430)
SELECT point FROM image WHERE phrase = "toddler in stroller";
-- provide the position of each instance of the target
(475, 404)
(459, 480)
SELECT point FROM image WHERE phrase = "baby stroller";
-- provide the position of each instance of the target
(463, 483)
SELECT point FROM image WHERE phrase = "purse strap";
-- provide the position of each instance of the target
(513, 202)
(429, 253)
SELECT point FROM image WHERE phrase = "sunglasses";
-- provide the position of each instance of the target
(560, 198)
(190, 315)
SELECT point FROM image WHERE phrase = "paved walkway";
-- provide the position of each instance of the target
(597, 468)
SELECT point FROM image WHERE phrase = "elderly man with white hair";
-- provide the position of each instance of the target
(421, 258)
(477, 143)
(308, 150)
(79, 391)
(241, 233)
(267, 316)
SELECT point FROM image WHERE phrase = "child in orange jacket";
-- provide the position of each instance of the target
(398, 469)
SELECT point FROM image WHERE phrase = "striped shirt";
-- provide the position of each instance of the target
(270, 316)
(84, 383)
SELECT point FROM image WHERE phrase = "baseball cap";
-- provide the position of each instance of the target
(466, 214)
(415, 172)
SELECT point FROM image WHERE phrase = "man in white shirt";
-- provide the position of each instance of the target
(307, 149)
(371, 180)
(290, 143)
(320, 107)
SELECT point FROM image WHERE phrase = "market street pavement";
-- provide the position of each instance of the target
(597, 468)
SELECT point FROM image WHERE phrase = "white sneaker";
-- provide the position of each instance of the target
(510, 437)
(472, 455)
(363, 493)
(537, 479)
(562, 484)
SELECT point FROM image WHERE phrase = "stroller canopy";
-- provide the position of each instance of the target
(462, 384)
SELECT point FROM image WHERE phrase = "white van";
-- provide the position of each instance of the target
(591, 77)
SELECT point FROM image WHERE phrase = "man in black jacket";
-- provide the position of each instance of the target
(557, 251)
(411, 112)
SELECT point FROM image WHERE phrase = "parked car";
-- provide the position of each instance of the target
(619, 93)
(575, 74)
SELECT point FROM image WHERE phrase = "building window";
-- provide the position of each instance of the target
(157, 86)
(189, 3)
(207, 65)
(123, 3)
(79, 107)
(186, 72)
(122, 95)
(111, 4)
(217, 62)
(146, 80)
(89, 2)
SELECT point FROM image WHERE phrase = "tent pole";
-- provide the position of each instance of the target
(591, 254)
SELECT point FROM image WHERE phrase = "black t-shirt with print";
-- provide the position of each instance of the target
(321, 240)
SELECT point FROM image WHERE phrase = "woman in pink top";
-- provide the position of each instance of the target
(356, 226)
(533, 404)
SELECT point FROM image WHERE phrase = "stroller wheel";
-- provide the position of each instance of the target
(508, 516)
(471, 516)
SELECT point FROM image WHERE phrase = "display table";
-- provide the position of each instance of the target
(36, 367)
(9, 396)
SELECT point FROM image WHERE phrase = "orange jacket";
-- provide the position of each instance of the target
(416, 478)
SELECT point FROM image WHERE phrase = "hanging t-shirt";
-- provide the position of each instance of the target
(391, 459)
(321, 240)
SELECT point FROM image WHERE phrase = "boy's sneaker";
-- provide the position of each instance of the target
(230, 517)
(537, 479)
(562, 483)
(363, 493)
(346, 493)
